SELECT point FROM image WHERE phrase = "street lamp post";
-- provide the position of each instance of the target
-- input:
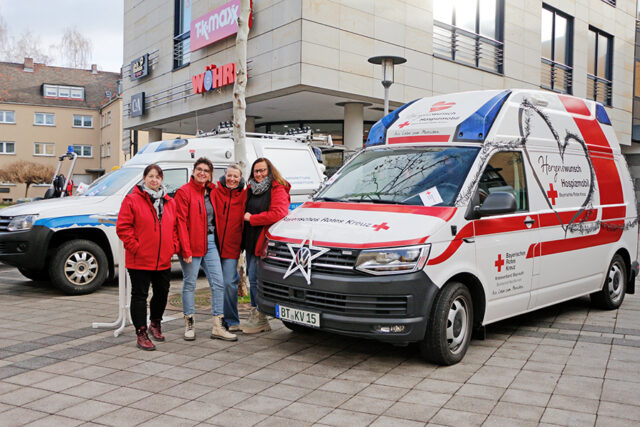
(387, 63)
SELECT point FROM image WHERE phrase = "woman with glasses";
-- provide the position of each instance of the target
(197, 235)
(267, 203)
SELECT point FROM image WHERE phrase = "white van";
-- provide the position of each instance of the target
(464, 210)
(63, 239)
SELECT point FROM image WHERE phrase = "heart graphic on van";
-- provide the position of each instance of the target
(560, 163)
(438, 106)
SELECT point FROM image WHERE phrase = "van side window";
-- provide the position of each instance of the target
(505, 172)
(174, 179)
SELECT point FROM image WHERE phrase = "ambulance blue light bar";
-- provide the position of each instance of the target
(378, 132)
(601, 115)
(476, 127)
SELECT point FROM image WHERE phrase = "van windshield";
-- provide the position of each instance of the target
(112, 182)
(424, 176)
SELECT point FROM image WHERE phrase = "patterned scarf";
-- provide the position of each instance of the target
(258, 188)
(157, 198)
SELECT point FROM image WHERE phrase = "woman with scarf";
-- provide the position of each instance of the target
(267, 203)
(230, 198)
(197, 235)
(147, 227)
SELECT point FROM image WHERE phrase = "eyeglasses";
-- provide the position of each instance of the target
(260, 170)
(202, 170)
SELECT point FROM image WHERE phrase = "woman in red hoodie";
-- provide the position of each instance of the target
(147, 227)
(230, 198)
(267, 203)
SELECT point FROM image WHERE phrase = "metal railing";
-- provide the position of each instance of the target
(181, 49)
(556, 76)
(599, 89)
(468, 48)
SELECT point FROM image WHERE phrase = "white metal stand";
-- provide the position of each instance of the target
(124, 287)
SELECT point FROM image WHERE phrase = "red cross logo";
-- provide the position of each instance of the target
(499, 263)
(403, 125)
(441, 106)
(382, 226)
(552, 194)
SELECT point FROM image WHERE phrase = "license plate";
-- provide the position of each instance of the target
(302, 317)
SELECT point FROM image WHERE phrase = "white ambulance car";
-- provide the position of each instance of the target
(64, 240)
(464, 210)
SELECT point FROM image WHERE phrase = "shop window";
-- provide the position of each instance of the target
(44, 119)
(557, 50)
(182, 33)
(599, 66)
(7, 116)
(470, 32)
(82, 121)
(44, 149)
(83, 150)
(7, 147)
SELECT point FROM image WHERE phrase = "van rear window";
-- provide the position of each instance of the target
(425, 176)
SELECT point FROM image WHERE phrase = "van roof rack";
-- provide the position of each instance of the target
(299, 134)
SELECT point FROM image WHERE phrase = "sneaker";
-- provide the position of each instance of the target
(218, 331)
(259, 323)
(155, 329)
(189, 328)
(144, 343)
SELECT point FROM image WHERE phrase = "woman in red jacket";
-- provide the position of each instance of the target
(230, 198)
(267, 203)
(197, 235)
(147, 227)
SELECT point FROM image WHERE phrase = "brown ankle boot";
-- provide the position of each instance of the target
(155, 329)
(144, 343)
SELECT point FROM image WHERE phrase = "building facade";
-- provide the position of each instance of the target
(308, 59)
(44, 110)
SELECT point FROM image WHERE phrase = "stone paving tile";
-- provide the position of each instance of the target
(28, 378)
(168, 421)
(187, 390)
(88, 410)
(286, 392)
(569, 403)
(275, 421)
(343, 418)
(457, 418)
(518, 411)
(263, 404)
(325, 398)
(304, 412)
(497, 421)
(585, 387)
(196, 411)
(426, 397)
(54, 403)
(123, 396)
(618, 410)
(385, 421)
(20, 416)
(470, 404)
(90, 389)
(494, 376)
(535, 381)
(366, 404)
(615, 391)
(236, 417)
(567, 418)
(383, 392)
(531, 397)
(158, 403)
(481, 391)
(411, 411)
(125, 417)
(54, 421)
(22, 396)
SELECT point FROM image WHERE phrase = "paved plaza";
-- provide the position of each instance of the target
(566, 365)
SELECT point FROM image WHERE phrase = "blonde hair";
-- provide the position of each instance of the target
(235, 166)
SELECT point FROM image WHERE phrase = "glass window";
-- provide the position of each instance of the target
(82, 121)
(51, 91)
(44, 119)
(470, 32)
(7, 147)
(83, 150)
(505, 172)
(112, 182)
(77, 93)
(174, 179)
(556, 38)
(7, 117)
(43, 149)
(599, 66)
(181, 33)
(109, 117)
(64, 92)
(429, 176)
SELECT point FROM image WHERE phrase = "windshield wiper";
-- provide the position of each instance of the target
(328, 199)
(383, 201)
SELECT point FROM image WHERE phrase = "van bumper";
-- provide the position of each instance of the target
(353, 304)
(27, 248)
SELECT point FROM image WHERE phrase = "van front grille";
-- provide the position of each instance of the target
(335, 260)
(4, 222)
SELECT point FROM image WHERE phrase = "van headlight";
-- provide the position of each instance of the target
(399, 260)
(22, 222)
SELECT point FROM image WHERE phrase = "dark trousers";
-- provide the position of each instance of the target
(140, 280)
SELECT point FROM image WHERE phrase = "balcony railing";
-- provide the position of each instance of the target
(181, 50)
(468, 48)
(556, 76)
(599, 89)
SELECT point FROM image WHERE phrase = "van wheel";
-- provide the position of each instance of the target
(35, 275)
(450, 326)
(614, 287)
(78, 267)
(295, 327)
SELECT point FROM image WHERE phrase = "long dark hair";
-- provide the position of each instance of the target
(273, 172)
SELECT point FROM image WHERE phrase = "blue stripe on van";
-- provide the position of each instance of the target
(70, 221)
(292, 206)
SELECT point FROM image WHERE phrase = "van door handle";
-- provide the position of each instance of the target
(529, 221)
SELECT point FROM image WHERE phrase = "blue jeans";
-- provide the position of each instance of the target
(252, 272)
(231, 277)
(212, 268)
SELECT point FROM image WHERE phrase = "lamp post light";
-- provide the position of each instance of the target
(387, 63)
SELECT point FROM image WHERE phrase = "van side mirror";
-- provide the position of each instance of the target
(500, 202)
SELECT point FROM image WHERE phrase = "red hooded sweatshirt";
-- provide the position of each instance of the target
(278, 209)
(229, 207)
(192, 219)
(149, 244)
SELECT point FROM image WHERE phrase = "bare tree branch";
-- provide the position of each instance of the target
(24, 172)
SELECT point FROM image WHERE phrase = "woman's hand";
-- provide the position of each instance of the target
(188, 259)
(247, 216)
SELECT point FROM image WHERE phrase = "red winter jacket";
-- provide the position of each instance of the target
(149, 244)
(278, 209)
(229, 206)
(192, 219)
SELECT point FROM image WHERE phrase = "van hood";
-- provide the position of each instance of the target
(360, 225)
(58, 207)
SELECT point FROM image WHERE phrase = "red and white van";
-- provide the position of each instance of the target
(464, 209)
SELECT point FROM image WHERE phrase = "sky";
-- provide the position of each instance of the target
(100, 21)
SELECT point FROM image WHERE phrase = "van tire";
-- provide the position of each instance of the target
(78, 267)
(295, 327)
(35, 275)
(454, 301)
(613, 290)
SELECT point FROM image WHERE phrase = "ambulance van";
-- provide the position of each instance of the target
(464, 210)
(64, 239)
